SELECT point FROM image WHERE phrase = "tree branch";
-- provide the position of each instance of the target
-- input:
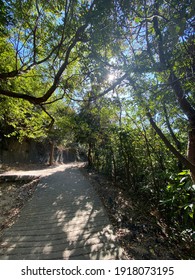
(50, 91)
(172, 149)
(52, 119)
(112, 87)
(177, 142)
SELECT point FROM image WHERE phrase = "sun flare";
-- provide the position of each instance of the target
(111, 77)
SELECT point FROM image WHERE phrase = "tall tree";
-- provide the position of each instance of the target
(156, 35)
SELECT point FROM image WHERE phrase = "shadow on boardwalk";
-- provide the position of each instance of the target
(64, 219)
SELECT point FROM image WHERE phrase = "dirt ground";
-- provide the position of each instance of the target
(13, 196)
(140, 231)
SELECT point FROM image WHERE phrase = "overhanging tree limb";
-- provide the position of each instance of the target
(177, 154)
(50, 91)
(78, 37)
(180, 94)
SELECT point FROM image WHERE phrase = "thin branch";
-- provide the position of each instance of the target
(55, 100)
(52, 119)
(177, 142)
(112, 87)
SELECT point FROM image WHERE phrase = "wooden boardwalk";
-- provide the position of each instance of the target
(64, 219)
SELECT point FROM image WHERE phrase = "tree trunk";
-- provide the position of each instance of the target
(189, 111)
(51, 154)
(177, 142)
(113, 171)
(89, 156)
(150, 158)
(191, 150)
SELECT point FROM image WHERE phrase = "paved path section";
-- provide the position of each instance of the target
(64, 219)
